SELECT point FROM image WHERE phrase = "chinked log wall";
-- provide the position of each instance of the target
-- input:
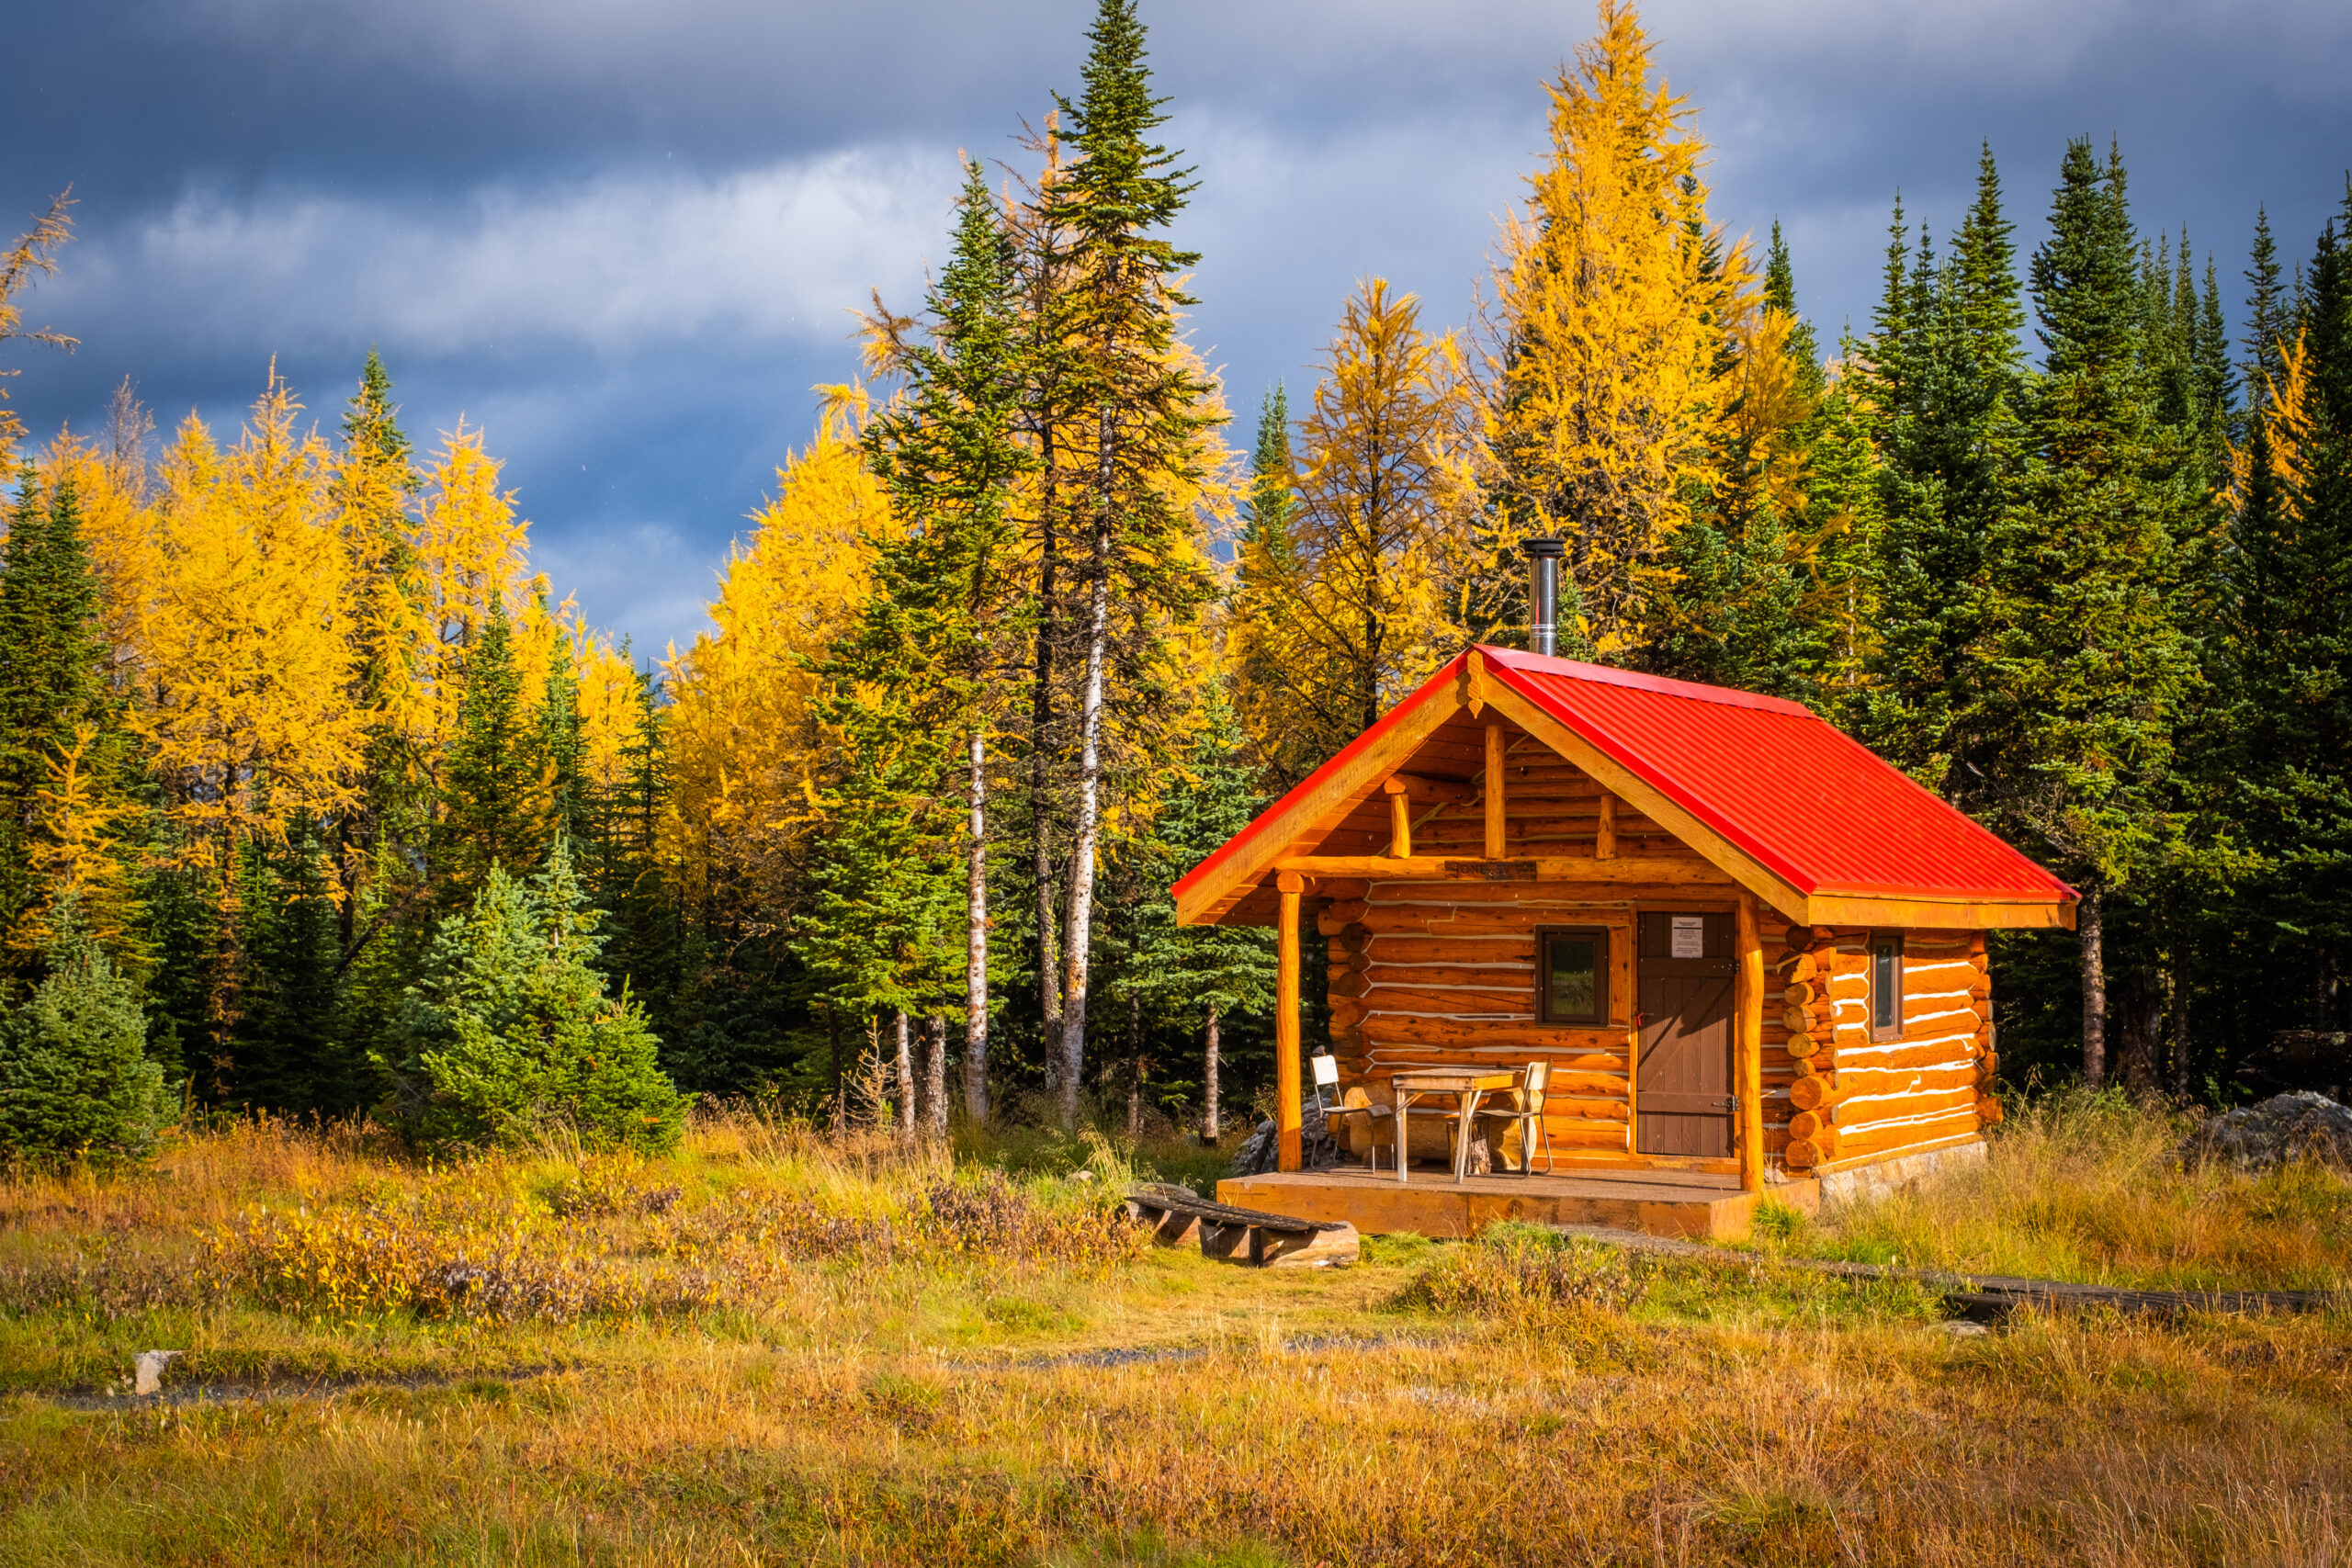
(1429, 972)
(1840, 1096)
(1444, 972)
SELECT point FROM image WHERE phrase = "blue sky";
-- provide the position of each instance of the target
(625, 238)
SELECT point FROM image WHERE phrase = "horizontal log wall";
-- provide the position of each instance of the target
(1833, 1094)
(1444, 972)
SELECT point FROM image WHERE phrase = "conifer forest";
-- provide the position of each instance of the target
(317, 800)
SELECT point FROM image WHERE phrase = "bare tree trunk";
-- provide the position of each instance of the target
(2087, 925)
(2138, 1014)
(1208, 1075)
(2177, 982)
(906, 1082)
(1135, 1066)
(833, 1035)
(1041, 770)
(976, 944)
(935, 1072)
(1078, 908)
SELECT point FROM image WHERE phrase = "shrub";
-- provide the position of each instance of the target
(510, 1030)
(1525, 1274)
(74, 1078)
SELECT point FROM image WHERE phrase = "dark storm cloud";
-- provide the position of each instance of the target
(623, 238)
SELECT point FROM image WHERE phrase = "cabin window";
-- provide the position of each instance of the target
(1886, 985)
(1572, 975)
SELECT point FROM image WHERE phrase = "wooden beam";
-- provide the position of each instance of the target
(1401, 826)
(1648, 871)
(1316, 812)
(1748, 1045)
(1474, 683)
(1289, 885)
(1492, 788)
(1936, 914)
(1424, 791)
(1604, 844)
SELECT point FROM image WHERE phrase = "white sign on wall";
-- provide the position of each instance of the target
(1689, 936)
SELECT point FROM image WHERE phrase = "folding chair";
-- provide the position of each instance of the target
(1529, 1113)
(1355, 1102)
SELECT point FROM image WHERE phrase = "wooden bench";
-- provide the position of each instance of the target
(1228, 1230)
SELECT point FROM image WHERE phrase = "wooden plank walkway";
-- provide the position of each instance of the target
(1703, 1204)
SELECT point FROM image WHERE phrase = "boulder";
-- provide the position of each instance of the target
(2279, 1130)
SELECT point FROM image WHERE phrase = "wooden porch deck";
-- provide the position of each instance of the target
(1698, 1204)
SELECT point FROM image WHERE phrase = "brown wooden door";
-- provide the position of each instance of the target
(1686, 977)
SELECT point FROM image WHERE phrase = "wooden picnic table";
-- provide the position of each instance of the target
(1468, 1086)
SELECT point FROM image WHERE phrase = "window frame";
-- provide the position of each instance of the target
(1602, 954)
(1883, 1033)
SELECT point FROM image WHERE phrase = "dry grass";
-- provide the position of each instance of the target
(990, 1390)
(2086, 1188)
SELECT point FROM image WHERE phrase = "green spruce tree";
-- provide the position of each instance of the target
(2085, 669)
(493, 788)
(510, 1030)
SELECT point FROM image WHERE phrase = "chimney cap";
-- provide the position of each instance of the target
(1544, 545)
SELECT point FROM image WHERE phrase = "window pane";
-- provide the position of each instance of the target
(1883, 987)
(1572, 962)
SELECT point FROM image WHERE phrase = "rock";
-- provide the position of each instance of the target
(2281, 1130)
(148, 1371)
(1259, 1153)
(1959, 1329)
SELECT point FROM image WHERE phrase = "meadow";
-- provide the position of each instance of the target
(781, 1346)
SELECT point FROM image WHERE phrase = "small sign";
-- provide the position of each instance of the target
(1689, 936)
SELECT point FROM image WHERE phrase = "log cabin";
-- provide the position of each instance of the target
(1746, 944)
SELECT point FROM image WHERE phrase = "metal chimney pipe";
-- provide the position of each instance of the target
(1543, 592)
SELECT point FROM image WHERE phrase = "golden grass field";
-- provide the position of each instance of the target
(771, 1347)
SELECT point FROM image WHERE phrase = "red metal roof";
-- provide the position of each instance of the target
(1782, 785)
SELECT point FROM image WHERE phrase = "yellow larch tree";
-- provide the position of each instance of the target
(468, 544)
(1348, 610)
(245, 708)
(1609, 302)
(746, 749)
(77, 853)
(2293, 426)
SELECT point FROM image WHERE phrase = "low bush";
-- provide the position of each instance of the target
(1527, 1274)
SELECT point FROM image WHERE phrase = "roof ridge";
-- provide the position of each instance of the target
(1665, 685)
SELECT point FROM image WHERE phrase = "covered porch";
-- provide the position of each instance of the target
(1701, 1205)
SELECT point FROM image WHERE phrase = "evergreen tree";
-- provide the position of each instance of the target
(945, 620)
(53, 707)
(2268, 316)
(2085, 668)
(1942, 377)
(494, 792)
(511, 1029)
(2292, 627)
(76, 1082)
(1200, 976)
(1141, 406)
(561, 739)
(291, 1046)
(1749, 630)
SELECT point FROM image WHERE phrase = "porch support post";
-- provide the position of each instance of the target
(1493, 787)
(1289, 885)
(1747, 1046)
